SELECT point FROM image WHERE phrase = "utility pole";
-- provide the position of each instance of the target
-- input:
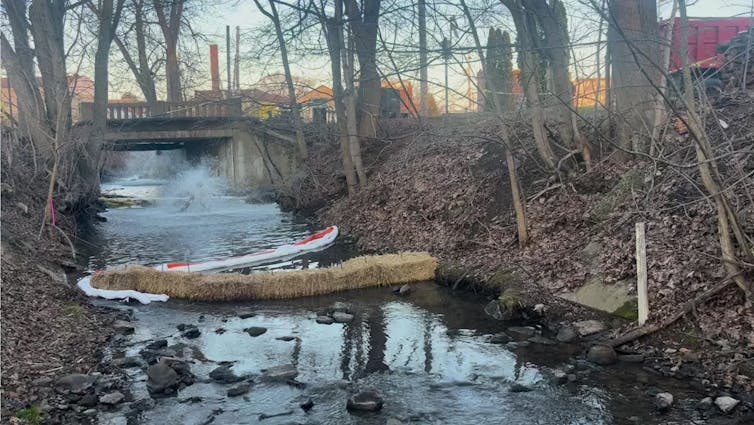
(445, 46)
(227, 54)
(423, 83)
(237, 62)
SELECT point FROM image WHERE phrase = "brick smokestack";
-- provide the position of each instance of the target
(214, 67)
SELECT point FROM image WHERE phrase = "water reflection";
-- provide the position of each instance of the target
(427, 370)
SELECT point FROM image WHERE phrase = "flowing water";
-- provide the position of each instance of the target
(430, 354)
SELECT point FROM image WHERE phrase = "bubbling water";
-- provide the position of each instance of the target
(195, 189)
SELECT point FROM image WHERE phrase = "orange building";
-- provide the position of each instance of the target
(585, 92)
(81, 87)
(319, 98)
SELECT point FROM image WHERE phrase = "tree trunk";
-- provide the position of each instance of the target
(333, 30)
(529, 78)
(108, 16)
(363, 23)
(47, 28)
(423, 78)
(519, 201)
(171, 27)
(18, 61)
(726, 217)
(553, 22)
(633, 41)
(295, 110)
(351, 116)
(142, 70)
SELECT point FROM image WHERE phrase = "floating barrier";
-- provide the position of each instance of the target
(311, 243)
(360, 272)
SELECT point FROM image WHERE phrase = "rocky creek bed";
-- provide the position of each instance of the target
(425, 356)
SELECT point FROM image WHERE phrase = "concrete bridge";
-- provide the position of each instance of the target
(249, 152)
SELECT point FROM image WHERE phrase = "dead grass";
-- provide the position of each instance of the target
(360, 272)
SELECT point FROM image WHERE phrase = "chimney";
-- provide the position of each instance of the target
(214, 67)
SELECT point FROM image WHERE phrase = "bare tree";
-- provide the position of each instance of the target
(363, 23)
(142, 67)
(18, 60)
(519, 201)
(273, 16)
(170, 25)
(633, 28)
(531, 70)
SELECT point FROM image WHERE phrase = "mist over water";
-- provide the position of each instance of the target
(191, 217)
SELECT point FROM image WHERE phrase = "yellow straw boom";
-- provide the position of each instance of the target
(360, 272)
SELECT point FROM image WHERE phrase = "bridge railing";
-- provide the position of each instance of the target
(136, 110)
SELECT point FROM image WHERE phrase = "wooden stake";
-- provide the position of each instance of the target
(641, 273)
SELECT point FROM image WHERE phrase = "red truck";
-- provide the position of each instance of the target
(706, 37)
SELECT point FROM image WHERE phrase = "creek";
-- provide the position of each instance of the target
(433, 355)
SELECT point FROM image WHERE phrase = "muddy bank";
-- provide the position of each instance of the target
(443, 188)
(49, 328)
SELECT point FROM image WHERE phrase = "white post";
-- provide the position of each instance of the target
(641, 273)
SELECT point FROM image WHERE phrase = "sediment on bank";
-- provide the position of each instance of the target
(48, 327)
(443, 187)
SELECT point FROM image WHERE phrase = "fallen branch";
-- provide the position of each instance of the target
(687, 308)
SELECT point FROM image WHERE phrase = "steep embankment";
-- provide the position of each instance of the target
(48, 328)
(444, 188)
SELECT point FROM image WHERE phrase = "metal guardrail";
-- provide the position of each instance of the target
(137, 110)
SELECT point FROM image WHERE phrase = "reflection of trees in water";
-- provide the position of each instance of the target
(377, 342)
(369, 328)
(427, 342)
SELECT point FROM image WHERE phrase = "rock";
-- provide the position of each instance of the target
(526, 331)
(589, 327)
(539, 339)
(325, 320)
(404, 290)
(6, 189)
(192, 333)
(255, 331)
(88, 400)
(704, 404)
(238, 390)
(184, 326)
(42, 381)
(246, 315)
(566, 334)
(365, 401)
(631, 358)
(89, 412)
(224, 375)
(280, 373)
(307, 405)
(123, 327)
(663, 401)
(340, 317)
(23, 207)
(519, 388)
(493, 310)
(726, 404)
(393, 421)
(341, 307)
(500, 338)
(539, 309)
(161, 377)
(602, 355)
(157, 344)
(75, 383)
(129, 361)
(220, 331)
(286, 338)
(112, 398)
(559, 377)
